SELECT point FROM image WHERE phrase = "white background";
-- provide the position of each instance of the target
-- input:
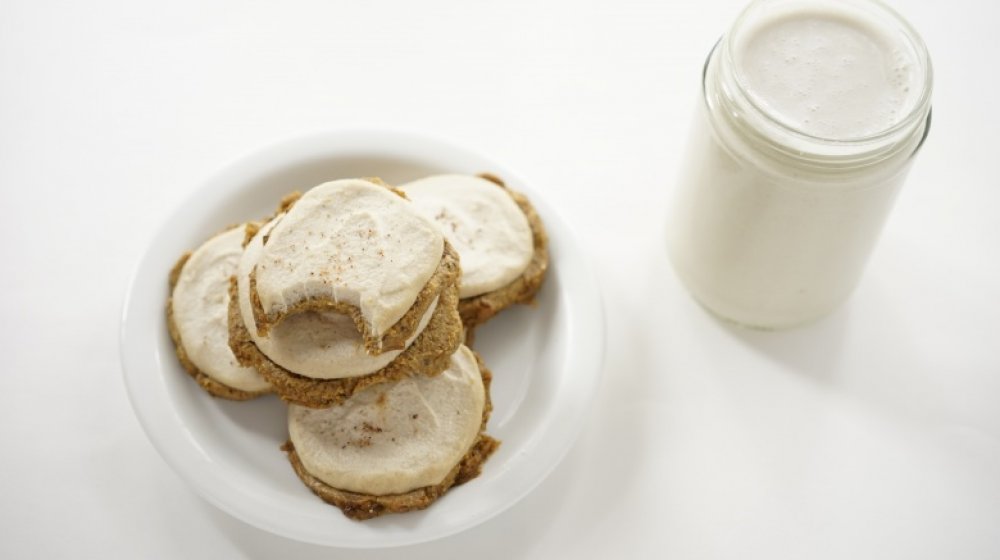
(874, 433)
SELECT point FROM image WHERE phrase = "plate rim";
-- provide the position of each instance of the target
(584, 356)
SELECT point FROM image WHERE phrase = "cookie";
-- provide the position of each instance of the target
(396, 447)
(317, 358)
(355, 246)
(498, 234)
(197, 318)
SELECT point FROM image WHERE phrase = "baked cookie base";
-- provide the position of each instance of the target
(476, 310)
(359, 506)
(212, 386)
(429, 354)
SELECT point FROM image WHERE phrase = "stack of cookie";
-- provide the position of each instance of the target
(347, 305)
(345, 288)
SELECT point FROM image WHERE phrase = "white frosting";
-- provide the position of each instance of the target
(201, 305)
(321, 345)
(394, 437)
(483, 223)
(352, 241)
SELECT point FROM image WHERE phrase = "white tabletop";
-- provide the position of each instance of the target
(874, 433)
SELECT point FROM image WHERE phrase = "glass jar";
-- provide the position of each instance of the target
(813, 111)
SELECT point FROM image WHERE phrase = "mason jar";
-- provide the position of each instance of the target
(812, 113)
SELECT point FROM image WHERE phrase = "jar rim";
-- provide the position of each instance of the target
(916, 114)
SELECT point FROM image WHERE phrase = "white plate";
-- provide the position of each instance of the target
(546, 359)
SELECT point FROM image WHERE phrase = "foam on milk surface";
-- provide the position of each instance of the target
(828, 74)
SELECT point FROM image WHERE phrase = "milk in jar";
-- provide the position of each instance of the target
(812, 113)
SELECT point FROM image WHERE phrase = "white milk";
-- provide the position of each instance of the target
(828, 74)
(813, 111)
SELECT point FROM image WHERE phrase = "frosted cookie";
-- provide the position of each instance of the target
(197, 318)
(396, 447)
(497, 233)
(355, 246)
(317, 357)
(321, 344)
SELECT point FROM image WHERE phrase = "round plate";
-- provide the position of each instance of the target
(546, 359)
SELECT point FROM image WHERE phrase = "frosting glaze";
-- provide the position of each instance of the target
(349, 241)
(394, 437)
(200, 302)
